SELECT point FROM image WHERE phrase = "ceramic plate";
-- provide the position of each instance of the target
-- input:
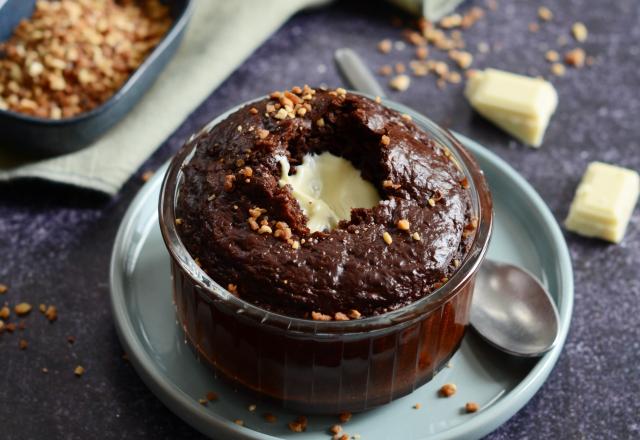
(525, 234)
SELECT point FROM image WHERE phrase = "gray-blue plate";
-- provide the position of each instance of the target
(525, 234)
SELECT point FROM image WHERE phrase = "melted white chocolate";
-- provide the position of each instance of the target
(327, 187)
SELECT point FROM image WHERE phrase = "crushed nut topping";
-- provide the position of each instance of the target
(79, 370)
(265, 229)
(339, 316)
(416, 236)
(417, 406)
(385, 140)
(558, 69)
(229, 181)
(239, 422)
(317, 316)
(345, 417)
(5, 312)
(51, 313)
(3, 288)
(387, 238)
(23, 344)
(403, 225)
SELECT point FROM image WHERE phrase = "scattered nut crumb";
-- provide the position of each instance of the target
(558, 69)
(400, 82)
(345, 417)
(385, 70)
(385, 46)
(533, 27)
(203, 402)
(147, 175)
(239, 422)
(299, 424)
(354, 314)
(79, 370)
(262, 133)
(339, 316)
(387, 238)
(400, 68)
(579, 31)
(422, 52)
(575, 57)
(3, 288)
(23, 344)
(22, 309)
(416, 236)
(45, 370)
(552, 56)
(385, 140)
(71, 339)
(448, 390)
(335, 429)
(471, 407)
(5, 312)
(417, 406)
(51, 313)
(545, 13)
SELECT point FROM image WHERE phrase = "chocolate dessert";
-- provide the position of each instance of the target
(324, 248)
(250, 234)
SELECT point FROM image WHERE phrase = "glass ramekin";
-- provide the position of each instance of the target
(325, 366)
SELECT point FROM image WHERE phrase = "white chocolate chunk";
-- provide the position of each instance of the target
(327, 187)
(520, 105)
(604, 202)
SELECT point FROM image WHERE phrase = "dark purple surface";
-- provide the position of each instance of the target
(55, 242)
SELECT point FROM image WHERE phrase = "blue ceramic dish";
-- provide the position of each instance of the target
(47, 137)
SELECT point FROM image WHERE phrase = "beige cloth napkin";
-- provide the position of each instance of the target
(221, 35)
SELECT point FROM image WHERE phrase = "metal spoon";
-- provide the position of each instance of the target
(511, 309)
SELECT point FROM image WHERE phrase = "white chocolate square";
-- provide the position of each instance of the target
(604, 201)
(520, 105)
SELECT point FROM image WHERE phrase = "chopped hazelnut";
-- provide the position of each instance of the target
(575, 57)
(400, 68)
(384, 140)
(417, 406)
(558, 69)
(5, 312)
(552, 56)
(239, 422)
(3, 288)
(262, 133)
(387, 238)
(545, 13)
(422, 53)
(253, 111)
(51, 313)
(22, 309)
(335, 429)
(79, 370)
(317, 316)
(403, 225)
(339, 316)
(265, 229)
(252, 407)
(400, 82)
(471, 407)
(579, 31)
(354, 314)
(232, 288)
(23, 344)
(448, 390)
(416, 236)
(229, 180)
(385, 46)
(345, 416)
(202, 402)
(320, 122)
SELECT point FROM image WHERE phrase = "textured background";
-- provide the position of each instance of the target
(55, 242)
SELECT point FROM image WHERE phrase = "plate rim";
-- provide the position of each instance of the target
(207, 422)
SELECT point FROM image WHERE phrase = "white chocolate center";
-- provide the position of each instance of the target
(327, 187)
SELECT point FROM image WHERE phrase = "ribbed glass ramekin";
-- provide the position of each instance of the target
(326, 366)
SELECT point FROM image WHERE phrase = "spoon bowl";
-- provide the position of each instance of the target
(513, 311)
